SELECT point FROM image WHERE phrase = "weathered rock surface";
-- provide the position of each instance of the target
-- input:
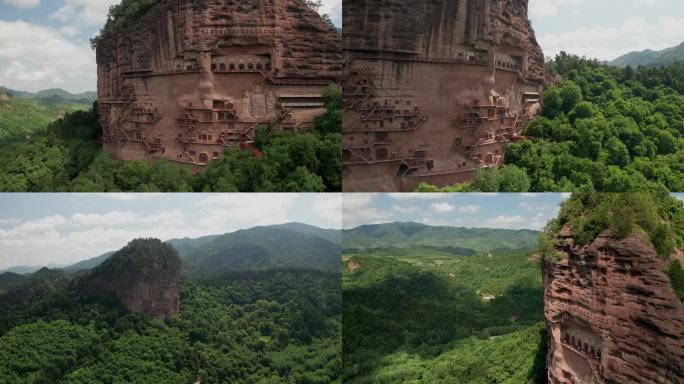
(612, 314)
(192, 77)
(434, 88)
(144, 276)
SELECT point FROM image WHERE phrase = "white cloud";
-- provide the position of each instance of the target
(405, 210)
(532, 207)
(469, 208)
(131, 196)
(418, 196)
(108, 219)
(607, 43)
(34, 57)
(84, 12)
(329, 207)
(22, 4)
(545, 8)
(358, 209)
(442, 207)
(225, 212)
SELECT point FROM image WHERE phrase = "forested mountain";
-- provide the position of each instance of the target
(54, 93)
(285, 246)
(332, 235)
(263, 248)
(651, 58)
(88, 264)
(403, 235)
(267, 326)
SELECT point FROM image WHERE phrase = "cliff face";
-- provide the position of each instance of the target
(434, 88)
(145, 277)
(192, 77)
(612, 314)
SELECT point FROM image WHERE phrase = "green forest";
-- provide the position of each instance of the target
(20, 117)
(421, 316)
(66, 156)
(242, 327)
(602, 128)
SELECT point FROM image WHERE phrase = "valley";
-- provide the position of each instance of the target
(428, 315)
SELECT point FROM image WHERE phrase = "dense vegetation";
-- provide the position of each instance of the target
(602, 128)
(139, 255)
(66, 156)
(451, 239)
(247, 327)
(434, 317)
(651, 58)
(260, 248)
(21, 117)
(660, 216)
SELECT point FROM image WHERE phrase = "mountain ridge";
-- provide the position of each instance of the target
(219, 249)
(651, 58)
(87, 97)
(407, 234)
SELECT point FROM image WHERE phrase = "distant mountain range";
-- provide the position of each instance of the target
(53, 96)
(651, 58)
(286, 246)
(408, 235)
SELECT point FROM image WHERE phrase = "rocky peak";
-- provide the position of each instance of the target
(144, 276)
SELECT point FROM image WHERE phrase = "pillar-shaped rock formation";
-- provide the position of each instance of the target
(612, 314)
(144, 276)
(434, 89)
(190, 78)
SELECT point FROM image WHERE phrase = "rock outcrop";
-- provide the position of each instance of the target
(434, 89)
(144, 276)
(612, 314)
(190, 78)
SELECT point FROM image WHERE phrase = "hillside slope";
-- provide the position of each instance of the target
(402, 235)
(651, 58)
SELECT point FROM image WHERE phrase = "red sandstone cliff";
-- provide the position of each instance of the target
(193, 77)
(612, 314)
(434, 88)
(144, 276)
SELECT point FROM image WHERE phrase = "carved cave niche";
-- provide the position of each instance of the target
(381, 154)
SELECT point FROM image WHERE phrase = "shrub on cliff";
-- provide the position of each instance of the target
(676, 274)
(122, 16)
(659, 215)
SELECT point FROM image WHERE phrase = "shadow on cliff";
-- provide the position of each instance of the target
(422, 314)
(539, 374)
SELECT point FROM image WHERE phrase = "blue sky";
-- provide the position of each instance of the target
(42, 229)
(473, 210)
(44, 43)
